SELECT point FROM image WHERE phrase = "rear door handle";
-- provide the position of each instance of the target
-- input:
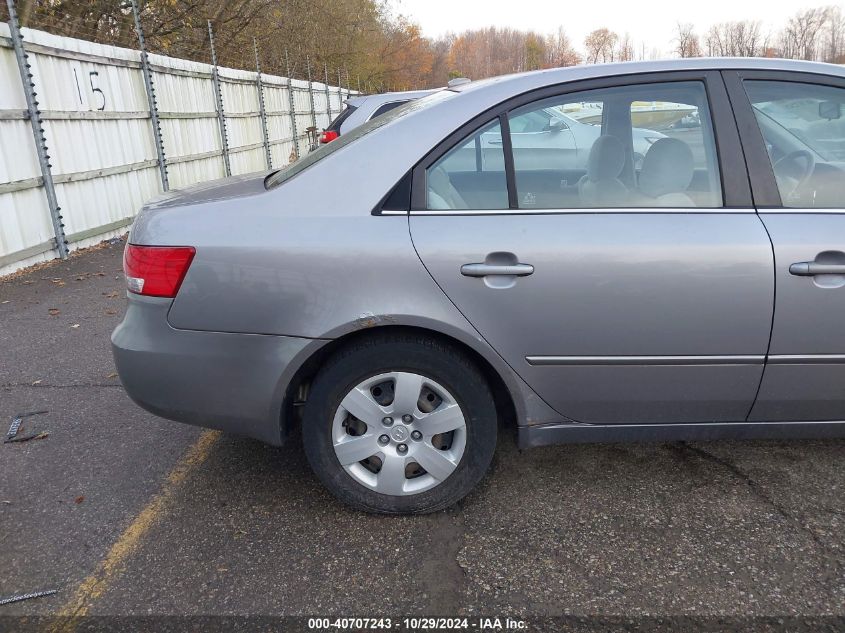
(483, 270)
(809, 269)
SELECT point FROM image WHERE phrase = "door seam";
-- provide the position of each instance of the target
(772, 324)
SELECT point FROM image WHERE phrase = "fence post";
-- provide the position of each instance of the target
(292, 107)
(328, 96)
(151, 98)
(339, 91)
(262, 112)
(37, 130)
(311, 91)
(218, 94)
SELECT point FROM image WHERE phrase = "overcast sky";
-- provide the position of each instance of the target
(649, 21)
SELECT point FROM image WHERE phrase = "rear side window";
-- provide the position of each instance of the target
(803, 126)
(639, 146)
(471, 175)
(387, 107)
(334, 126)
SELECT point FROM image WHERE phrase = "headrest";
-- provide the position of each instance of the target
(607, 158)
(438, 179)
(667, 168)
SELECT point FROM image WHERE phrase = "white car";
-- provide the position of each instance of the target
(359, 110)
(539, 134)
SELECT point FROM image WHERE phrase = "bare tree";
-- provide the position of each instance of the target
(834, 37)
(600, 45)
(687, 43)
(560, 51)
(440, 49)
(800, 38)
(736, 39)
(624, 49)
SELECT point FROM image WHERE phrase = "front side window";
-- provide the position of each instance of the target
(471, 175)
(640, 146)
(803, 126)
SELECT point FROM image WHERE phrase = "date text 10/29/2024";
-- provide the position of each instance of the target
(417, 624)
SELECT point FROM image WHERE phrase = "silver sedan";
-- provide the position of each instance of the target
(440, 274)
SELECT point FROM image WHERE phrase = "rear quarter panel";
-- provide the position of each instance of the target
(308, 259)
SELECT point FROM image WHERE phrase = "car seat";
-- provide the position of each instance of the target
(601, 185)
(666, 174)
(441, 192)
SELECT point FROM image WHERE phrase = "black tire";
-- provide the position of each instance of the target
(419, 354)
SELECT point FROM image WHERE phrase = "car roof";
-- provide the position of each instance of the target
(550, 76)
(423, 126)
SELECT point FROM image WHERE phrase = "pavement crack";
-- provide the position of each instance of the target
(756, 489)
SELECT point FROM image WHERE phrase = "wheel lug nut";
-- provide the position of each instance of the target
(387, 421)
(402, 448)
(416, 435)
(407, 419)
(383, 440)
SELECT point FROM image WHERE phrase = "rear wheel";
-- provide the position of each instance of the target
(400, 424)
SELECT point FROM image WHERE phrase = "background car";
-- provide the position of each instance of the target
(447, 285)
(359, 110)
(536, 134)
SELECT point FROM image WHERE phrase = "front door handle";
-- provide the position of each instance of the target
(483, 270)
(809, 269)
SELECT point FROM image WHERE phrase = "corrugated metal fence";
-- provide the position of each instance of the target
(100, 137)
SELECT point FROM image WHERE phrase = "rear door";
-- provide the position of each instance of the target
(793, 128)
(621, 292)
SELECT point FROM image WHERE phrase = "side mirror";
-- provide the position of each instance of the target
(556, 125)
(830, 110)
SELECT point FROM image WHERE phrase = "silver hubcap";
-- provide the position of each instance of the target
(399, 433)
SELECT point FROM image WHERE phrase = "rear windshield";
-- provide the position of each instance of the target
(334, 126)
(387, 107)
(296, 167)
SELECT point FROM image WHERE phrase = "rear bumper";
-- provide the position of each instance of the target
(232, 382)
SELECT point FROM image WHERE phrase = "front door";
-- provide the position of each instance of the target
(627, 292)
(797, 125)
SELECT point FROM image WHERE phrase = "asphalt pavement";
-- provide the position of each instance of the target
(126, 514)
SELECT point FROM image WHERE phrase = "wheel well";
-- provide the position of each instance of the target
(297, 391)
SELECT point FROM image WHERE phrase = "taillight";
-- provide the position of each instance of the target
(156, 271)
(328, 136)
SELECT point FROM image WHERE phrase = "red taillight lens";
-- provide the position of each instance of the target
(156, 271)
(328, 136)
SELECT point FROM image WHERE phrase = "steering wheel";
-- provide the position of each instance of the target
(787, 173)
